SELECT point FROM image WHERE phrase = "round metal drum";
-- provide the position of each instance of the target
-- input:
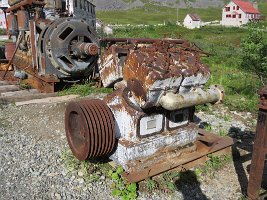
(89, 127)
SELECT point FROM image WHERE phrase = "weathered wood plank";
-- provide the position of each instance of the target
(19, 93)
(12, 99)
(4, 83)
(48, 100)
(8, 88)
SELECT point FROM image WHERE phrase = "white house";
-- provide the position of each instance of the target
(237, 13)
(3, 5)
(99, 23)
(192, 21)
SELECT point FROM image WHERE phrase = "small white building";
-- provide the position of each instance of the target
(237, 13)
(108, 30)
(3, 5)
(99, 23)
(192, 21)
(105, 28)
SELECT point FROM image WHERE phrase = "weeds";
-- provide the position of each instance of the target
(223, 133)
(207, 127)
(120, 188)
(213, 164)
(88, 170)
(166, 181)
(84, 90)
(151, 184)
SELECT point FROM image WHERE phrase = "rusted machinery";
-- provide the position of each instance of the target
(258, 163)
(51, 44)
(146, 125)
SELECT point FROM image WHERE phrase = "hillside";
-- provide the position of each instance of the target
(158, 14)
(128, 4)
(154, 14)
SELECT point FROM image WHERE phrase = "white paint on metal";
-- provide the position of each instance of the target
(151, 124)
(172, 101)
(147, 147)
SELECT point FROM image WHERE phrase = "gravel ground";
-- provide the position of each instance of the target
(32, 140)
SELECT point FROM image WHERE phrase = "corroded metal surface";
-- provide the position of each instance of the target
(51, 43)
(259, 149)
(181, 158)
(9, 49)
(158, 72)
(157, 84)
(89, 128)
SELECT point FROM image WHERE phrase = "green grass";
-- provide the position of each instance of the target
(155, 14)
(84, 90)
(2, 31)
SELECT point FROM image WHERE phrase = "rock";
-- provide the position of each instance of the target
(80, 173)
(81, 180)
(58, 197)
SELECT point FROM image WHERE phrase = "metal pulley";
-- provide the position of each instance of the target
(90, 129)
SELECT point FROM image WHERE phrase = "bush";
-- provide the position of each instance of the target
(254, 54)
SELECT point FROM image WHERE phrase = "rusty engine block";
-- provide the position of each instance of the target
(50, 44)
(148, 120)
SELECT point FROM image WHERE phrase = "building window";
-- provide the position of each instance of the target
(228, 16)
(239, 15)
(88, 6)
(227, 9)
(75, 3)
(234, 16)
(237, 7)
(93, 10)
(234, 8)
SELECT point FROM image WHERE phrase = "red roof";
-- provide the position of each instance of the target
(194, 17)
(247, 7)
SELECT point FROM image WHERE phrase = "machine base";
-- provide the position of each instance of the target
(207, 143)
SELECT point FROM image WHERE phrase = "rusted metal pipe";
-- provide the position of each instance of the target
(259, 149)
(24, 3)
(12, 57)
(141, 40)
(83, 48)
(172, 101)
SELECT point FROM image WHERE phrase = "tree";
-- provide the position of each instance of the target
(254, 54)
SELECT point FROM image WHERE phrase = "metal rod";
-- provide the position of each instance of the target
(141, 40)
(10, 61)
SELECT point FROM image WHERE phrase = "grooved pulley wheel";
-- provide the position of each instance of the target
(89, 127)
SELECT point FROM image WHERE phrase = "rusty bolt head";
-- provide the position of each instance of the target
(92, 49)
